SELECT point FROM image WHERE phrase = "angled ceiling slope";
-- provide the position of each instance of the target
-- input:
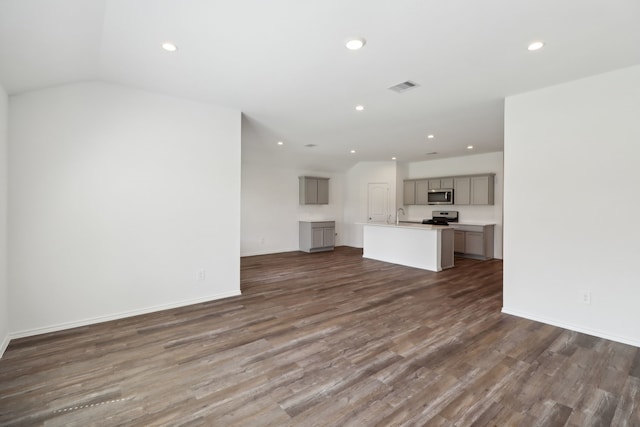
(284, 64)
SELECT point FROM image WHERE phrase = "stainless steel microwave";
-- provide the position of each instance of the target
(441, 196)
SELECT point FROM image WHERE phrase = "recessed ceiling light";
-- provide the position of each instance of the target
(280, 143)
(535, 46)
(169, 47)
(353, 151)
(430, 136)
(469, 147)
(359, 107)
(393, 158)
(355, 43)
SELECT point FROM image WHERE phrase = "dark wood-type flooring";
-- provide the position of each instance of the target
(326, 339)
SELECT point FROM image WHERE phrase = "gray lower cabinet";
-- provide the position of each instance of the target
(474, 241)
(317, 236)
(458, 241)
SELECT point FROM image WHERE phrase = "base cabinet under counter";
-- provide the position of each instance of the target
(473, 241)
(317, 236)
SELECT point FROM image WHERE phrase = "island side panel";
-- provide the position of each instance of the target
(408, 246)
(447, 256)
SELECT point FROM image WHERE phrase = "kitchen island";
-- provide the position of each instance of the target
(429, 247)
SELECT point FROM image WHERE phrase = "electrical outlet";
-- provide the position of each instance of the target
(262, 240)
(586, 297)
(202, 274)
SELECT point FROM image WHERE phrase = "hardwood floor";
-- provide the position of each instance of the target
(326, 339)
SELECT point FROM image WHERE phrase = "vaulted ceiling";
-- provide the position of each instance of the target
(284, 64)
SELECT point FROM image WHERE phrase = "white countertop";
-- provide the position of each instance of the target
(473, 223)
(415, 225)
(482, 223)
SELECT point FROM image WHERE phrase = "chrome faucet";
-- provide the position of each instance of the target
(398, 212)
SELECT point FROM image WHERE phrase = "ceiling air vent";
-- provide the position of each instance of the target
(310, 145)
(433, 153)
(404, 86)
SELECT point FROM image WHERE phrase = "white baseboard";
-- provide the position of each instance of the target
(266, 252)
(572, 327)
(116, 316)
(276, 251)
(4, 345)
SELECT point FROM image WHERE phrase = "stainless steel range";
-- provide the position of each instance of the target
(442, 217)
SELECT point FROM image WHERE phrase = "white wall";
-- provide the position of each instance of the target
(117, 198)
(571, 202)
(402, 173)
(468, 165)
(4, 284)
(356, 195)
(271, 209)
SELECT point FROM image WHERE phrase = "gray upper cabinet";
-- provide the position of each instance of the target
(314, 190)
(310, 191)
(422, 190)
(409, 193)
(473, 190)
(446, 183)
(482, 190)
(462, 191)
(323, 191)
(468, 190)
(440, 183)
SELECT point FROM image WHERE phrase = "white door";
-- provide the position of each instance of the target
(378, 202)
